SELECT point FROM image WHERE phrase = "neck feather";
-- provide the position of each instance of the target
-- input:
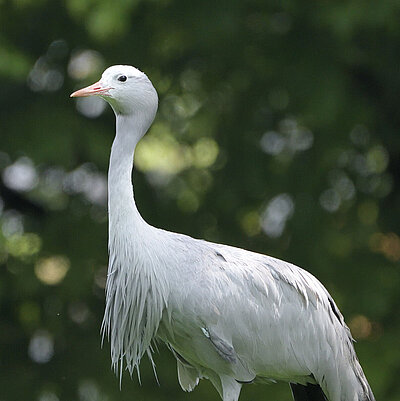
(136, 290)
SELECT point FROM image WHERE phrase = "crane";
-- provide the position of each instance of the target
(227, 314)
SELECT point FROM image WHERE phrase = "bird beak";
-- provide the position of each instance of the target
(96, 89)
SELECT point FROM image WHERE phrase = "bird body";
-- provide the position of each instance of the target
(227, 314)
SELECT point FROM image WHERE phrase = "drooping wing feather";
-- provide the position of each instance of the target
(187, 376)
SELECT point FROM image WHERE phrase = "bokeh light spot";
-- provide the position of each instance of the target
(272, 142)
(12, 223)
(91, 107)
(52, 270)
(41, 347)
(205, 152)
(21, 175)
(23, 246)
(250, 223)
(48, 396)
(160, 152)
(89, 391)
(188, 201)
(330, 200)
(43, 77)
(78, 312)
(360, 326)
(387, 244)
(377, 159)
(85, 63)
(278, 211)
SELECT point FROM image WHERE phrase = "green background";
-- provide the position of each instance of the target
(277, 131)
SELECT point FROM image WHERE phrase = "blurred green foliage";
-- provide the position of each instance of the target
(277, 131)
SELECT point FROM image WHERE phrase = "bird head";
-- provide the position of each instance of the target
(126, 89)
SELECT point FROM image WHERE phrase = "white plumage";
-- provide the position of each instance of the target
(227, 314)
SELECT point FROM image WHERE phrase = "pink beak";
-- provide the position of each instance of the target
(95, 89)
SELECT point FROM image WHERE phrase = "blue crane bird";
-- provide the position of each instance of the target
(227, 314)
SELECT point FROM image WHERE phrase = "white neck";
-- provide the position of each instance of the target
(121, 202)
(137, 289)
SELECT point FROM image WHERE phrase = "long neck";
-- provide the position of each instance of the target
(121, 203)
(135, 295)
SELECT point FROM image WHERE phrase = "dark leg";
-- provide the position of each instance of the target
(310, 392)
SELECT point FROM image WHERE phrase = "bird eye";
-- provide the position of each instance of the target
(122, 78)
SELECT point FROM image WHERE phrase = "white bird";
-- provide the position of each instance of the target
(227, 314)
